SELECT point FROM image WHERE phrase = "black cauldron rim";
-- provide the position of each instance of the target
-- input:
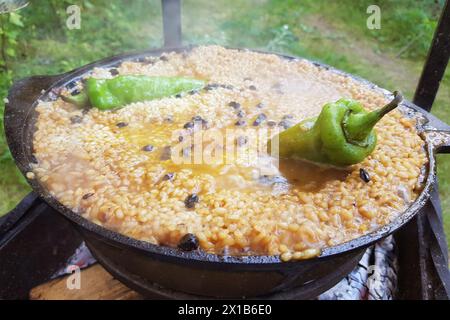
(21, 150)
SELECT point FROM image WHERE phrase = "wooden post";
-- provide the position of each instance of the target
(436, 62)
(171, 15)
(422, 245)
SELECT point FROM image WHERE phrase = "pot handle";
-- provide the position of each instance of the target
(27, 90)
(439, 139)
(437, 133)
(23, 94)
(18, 106)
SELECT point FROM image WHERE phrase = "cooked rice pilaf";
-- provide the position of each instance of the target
(112, 166)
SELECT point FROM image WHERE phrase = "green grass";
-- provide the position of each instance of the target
(330, 31)
(46, 46)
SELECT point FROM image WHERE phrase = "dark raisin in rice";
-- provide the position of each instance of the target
(188, 125)
(234, 105)
(364, 175)
(191, 200)
(225, 86)
(168, 176)
(87, 195)
(259, 119)
(199, 120)
(76, 119)
(148, 148)
(114, 72)
(271, 123)
(188, 242)
(211, 86)
(121, 124)
(240, 123)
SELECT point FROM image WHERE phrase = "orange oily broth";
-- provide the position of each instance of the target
(238, 213)
(299, 175)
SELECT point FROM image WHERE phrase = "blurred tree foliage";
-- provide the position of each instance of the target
(407, 25)
(10, 26)
(35, 40)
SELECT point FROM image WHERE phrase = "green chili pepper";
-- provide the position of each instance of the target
(343, 134)
(106, 94)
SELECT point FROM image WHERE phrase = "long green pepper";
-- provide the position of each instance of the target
(106, 94)
(343, 134)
